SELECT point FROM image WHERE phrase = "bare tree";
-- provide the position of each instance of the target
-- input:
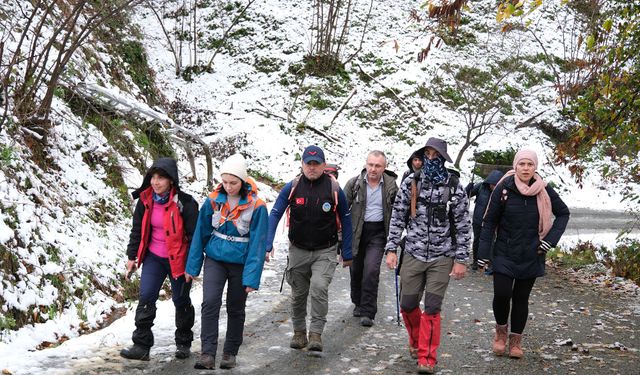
(177, 59)
(480, 97)
(331, 24)
(577, 64)
(37, 62)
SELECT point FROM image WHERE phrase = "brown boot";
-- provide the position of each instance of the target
(515, 345)
(500, 339)
(413, 352)
(315, 342)
(299, 340)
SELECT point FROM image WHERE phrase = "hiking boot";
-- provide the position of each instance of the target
(356, 312)
(137, 352)
(515, 345)
(183, 351)
(228, 361)
(315, 342)
(206, 362)
(365, 321)
(299, 340)
(425, 368)
(500, 340)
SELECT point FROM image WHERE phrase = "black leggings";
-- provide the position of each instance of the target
(506, 292)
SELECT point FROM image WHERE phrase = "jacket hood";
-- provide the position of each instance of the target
(168, 165)
(493, 177)
(414, 155)
(437, 144)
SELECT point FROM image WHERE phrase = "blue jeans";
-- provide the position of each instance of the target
(216, 275)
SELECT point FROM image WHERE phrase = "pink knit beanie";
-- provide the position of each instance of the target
(526, 153)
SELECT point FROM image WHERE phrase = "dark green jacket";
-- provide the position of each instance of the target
(356, 191)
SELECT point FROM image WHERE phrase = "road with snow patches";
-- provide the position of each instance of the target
(574, 328)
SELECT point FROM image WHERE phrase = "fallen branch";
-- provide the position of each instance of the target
(321, 133)
(226, 32)
(529, 122)
(93, 93)
(293, 106)
(265, 113)
(344, 104)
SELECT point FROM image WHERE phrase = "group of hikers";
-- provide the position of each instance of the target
(422, 228)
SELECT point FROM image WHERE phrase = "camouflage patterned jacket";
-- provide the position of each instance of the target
(428, 234)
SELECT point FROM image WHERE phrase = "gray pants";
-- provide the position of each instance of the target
(309, 274)
(216, 275)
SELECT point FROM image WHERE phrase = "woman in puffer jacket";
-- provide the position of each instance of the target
(230, 240)
(163, 224)
(520, 213)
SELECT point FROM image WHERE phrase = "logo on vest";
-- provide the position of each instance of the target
(326, 206)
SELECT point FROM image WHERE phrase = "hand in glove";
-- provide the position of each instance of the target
(544, 247)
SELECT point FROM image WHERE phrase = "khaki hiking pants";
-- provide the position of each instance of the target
(309, 274)
(417, 277)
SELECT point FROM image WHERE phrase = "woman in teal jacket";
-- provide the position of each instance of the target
(230, 239)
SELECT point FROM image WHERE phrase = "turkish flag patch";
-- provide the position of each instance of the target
(300, 201)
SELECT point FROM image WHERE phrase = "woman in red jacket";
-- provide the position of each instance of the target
(163, 224)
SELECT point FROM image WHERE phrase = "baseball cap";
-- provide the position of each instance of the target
(313, 153)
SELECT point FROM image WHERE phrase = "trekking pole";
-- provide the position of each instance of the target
(395, 273)
(284, 274)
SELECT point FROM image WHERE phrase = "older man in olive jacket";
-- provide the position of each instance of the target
(370, 195)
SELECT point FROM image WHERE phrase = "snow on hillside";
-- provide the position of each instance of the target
(45, 217)
(280, 27)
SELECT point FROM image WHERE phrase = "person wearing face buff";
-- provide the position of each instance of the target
(520, 214)
(230, 240)
(433, 207)
(163, 224)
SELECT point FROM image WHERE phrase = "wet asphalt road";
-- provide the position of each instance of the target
(574, 327)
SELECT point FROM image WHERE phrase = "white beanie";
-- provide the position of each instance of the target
(235, 165)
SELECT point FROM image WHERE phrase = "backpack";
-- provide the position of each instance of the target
(452, 184)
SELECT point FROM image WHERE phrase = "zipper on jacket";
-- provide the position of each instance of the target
(429, 217)
(173, 223)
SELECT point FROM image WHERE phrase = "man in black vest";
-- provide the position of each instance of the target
(315, 201)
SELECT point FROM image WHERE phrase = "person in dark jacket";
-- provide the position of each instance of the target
(163, 224)
(414, 164)
(521, 211)
(230, 241)
(370, 196)
(313, 199)
(482, 192)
